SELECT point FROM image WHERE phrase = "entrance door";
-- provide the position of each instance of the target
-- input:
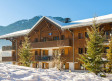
(66, 65)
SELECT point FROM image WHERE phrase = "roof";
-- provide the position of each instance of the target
(73, 24)
(15, 34)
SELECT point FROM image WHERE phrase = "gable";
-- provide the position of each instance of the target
(44, 26)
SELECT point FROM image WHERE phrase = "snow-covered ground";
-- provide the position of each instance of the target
(14, 72)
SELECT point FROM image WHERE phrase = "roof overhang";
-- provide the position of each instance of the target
(87, 23)
(15, 34)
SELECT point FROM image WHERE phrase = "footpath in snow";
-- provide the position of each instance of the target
(14, 73)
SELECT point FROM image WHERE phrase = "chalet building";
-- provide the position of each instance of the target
(47, 32)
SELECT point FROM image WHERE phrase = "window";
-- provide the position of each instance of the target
(86, 35)
(105, 49)
(44, 39)
(50, 34)
(62, 37)
(55, 52)
(85, 50)
(107, 34)
(80, 35)
(56, 38)
(62, 51)
(36, 55)
(81, 66)
(36, 40)
(43, 52)
(20, 42)
(80, 50)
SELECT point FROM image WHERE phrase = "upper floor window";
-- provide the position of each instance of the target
(86, 35)
(43, 52)
(20, 42)
(108, 34)
(56, 38)
(50, 34)
(55, 52)
(44, 39)
(80, 50)
(62, 37)
(80, 35)
(36, 40)
(85, 50)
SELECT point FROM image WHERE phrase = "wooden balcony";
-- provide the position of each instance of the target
(47, 44)
(8, 48)
(43, 58)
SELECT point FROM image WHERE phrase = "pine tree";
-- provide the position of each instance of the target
(93, 59)
(109, 56)
(25, 54)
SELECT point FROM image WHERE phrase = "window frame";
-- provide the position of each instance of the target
(80, 35)
(80, 50)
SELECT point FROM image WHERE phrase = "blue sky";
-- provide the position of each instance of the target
(14, 10)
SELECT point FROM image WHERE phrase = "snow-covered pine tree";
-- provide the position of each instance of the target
(93, 59)
(25, 55)
(109, 57)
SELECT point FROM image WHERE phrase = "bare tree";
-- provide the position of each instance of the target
(58, 60)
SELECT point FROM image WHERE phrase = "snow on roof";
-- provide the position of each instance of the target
(73, 24)
(97, 18)
(87, 22)
(15, 34)
(59, 23)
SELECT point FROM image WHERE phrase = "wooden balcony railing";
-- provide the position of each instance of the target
(8, 48)
(55, 43)
(43, 58)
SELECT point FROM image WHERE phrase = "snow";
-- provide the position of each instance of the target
(14, 72)
(97, 18)
(15, 34)
(59, 23)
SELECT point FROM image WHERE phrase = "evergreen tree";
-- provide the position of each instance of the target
(25, 54)
(93, 59)
(109, 57)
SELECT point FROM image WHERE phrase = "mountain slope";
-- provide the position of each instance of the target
(23, 24)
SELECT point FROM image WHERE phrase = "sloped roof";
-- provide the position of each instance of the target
(15, 34)
(73, 24)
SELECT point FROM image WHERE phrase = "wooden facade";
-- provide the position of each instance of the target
(44, 40)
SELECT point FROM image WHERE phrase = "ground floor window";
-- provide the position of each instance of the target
(80, 50)
(85, 50)
(81, 67)
(36, 55)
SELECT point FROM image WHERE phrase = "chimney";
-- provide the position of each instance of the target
(67, 20)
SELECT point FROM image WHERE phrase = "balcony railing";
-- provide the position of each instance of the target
(44, 58)
(8, 48)
(54, 43)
